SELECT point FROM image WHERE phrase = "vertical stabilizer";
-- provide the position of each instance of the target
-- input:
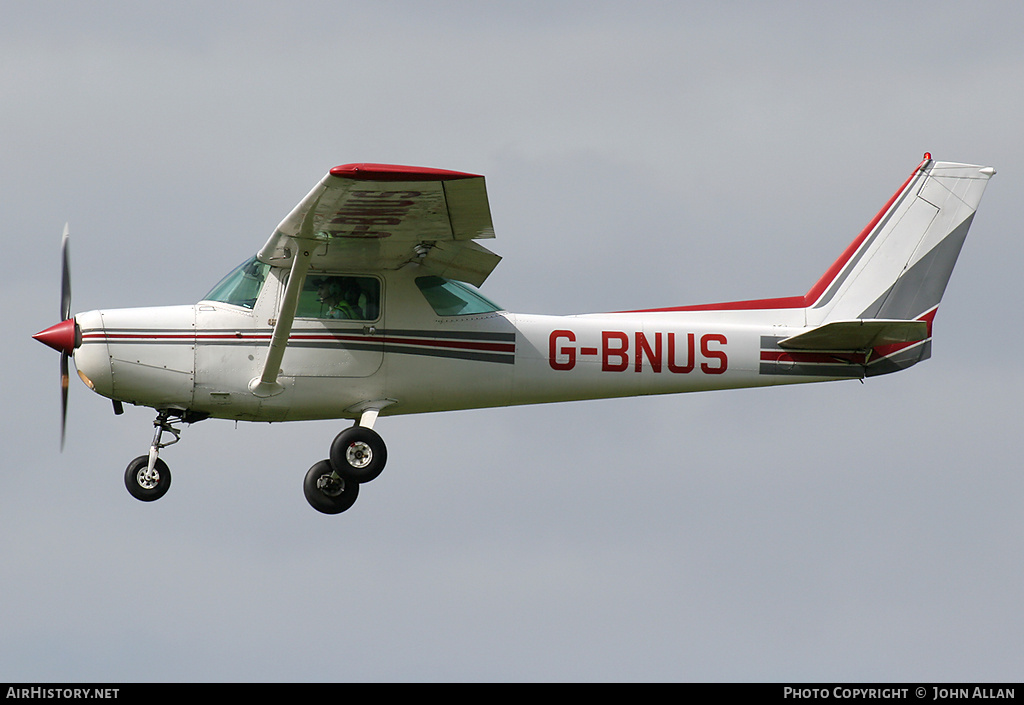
(900, 264)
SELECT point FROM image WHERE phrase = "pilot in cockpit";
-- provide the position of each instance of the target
(340, 299)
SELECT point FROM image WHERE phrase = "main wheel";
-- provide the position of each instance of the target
(358, 453)
(151, 488)
(327, 492)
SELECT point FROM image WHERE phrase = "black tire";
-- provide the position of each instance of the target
(327, 492)
(358, 453)
(147, 490)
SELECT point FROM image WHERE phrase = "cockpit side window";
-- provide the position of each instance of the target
(340, 297)
(452, 298)
(242, 286)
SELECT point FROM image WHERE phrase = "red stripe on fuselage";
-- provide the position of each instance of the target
(326, 337)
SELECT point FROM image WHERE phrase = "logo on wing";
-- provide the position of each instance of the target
(366, 214)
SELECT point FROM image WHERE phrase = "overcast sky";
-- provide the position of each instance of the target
(637, 155)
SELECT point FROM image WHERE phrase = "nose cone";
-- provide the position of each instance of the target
(63, 337)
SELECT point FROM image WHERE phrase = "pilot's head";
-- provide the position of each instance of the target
(329, 293)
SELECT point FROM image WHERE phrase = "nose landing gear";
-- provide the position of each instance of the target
(147, 477)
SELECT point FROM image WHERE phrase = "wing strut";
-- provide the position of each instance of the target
(266, 385)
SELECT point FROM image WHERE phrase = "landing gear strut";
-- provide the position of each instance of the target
(147, 477)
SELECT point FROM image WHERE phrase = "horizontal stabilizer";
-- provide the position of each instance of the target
(857, 336)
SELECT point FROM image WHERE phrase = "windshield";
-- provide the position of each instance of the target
(452, 298)
(242, 286)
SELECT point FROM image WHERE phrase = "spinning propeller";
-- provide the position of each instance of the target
(64, 337)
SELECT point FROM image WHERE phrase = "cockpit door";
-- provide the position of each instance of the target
(338, 327)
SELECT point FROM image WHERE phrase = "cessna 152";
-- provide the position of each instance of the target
(359, 306)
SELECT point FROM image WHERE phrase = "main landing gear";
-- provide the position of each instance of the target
(331, 486)
(358, 455)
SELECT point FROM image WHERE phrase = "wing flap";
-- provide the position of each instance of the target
(465, 261)
(857, 335)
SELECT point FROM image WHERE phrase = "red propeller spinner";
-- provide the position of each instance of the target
(62, 337)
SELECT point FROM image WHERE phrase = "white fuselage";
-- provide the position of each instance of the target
(409, 359)
(400, 334)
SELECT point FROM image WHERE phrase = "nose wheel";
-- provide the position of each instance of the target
(145, 483)
(147, 477)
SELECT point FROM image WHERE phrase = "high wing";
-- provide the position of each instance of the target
(369, 217)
